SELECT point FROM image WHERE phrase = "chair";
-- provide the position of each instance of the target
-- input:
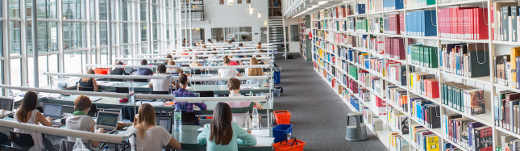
(9, 148)
(93, 110)
(141, 80)
(69, 145)
(122, 90)
(21, 141)
(86, 88)
(159, 92)
(206, 93)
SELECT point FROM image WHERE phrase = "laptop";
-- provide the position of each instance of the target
(165, 121)
(107, 121)
(54, 111)
(129, 70)
(6, 103)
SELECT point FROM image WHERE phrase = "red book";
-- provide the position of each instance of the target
(466, 23)
(482, 28)
(397, 24)
(458, 21)
(453, 21)
(471, 23)
(441, 22)
(401, 23)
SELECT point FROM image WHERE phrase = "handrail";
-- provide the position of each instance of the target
(111, 76)
(138, 96)
(162, 59)
(134, 66)
(104, 137)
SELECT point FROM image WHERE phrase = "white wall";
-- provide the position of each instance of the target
(217, 16)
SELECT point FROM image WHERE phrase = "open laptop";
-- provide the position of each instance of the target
(6, 104)
(107, 121)
(55, 111)
(164, 121)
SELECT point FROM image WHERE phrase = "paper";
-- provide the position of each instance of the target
(145, 86)
(94, 98)
(200, 129)
(260, 133)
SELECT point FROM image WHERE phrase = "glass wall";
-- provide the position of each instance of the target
(235, 34)
(74, 33)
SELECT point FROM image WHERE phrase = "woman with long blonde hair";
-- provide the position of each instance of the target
(149, 136)
(88, 82)
(254, 71)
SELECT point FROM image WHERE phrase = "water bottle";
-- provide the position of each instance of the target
(106, 148)
(247, 122)
(131, 88)
(177, 119)
(256, 120)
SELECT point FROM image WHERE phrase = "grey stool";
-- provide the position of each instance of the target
(357, 131)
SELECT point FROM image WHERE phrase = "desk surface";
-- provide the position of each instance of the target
(217, 89)
(108, 102)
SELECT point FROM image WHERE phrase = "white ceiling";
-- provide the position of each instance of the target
(317, 4)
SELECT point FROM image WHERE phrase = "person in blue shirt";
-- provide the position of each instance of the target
(221, 134)
(144, 71)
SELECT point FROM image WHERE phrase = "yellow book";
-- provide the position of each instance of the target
(432, 143)
(515, 52)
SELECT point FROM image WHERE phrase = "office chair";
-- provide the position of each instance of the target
(93, 110)
(122, 90)
(21, 141)
(69, 145)
(205, 93)
(86, 88)
(159, 92)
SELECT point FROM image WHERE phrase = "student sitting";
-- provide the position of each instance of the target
(81, 121)
(88, 82)
(228, 73)
(188, 117)
(118, 71)
(254, 71)
(173, 70)
(170, 57)
(27, 113)
(144, 71)
(221, 134)
(148, 136)
(160, 84)
(234, 91)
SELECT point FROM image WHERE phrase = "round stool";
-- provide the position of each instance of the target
(357, 131)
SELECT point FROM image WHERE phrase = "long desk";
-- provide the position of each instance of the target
(107, 102)
(217, 89)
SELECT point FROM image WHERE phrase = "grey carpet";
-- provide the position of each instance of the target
(318, 114)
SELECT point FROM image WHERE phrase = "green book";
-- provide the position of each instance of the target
(427, 56)
(434, 57)
(430, 2)
(421, 54)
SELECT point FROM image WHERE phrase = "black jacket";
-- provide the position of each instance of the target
(118, 71)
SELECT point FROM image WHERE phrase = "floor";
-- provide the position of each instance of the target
(318, 114)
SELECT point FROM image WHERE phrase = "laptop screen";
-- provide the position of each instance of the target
(6, 104)
(164, 121)
(52, 110)
(107, 118)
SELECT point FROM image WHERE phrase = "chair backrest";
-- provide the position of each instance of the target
(69, 145)
(93, 110)
(206, 93)
(159, 92)
(21, 139)
(140, 80)
(122, 90)
(86, 88)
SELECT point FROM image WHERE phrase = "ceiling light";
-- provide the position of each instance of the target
(259, 14)
(231, 2)
(250, 8)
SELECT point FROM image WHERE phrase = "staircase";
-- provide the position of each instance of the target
(276, 33)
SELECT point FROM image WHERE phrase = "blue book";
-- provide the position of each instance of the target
(360, 8)
(430, 19)
(398, 4)
(471, 138)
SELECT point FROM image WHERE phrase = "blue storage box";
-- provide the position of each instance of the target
(282, 130)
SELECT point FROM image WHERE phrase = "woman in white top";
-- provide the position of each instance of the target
(81, 121)
(148, 136)
(173, 70)
(228, 73)
(160, 84)
(27, 113)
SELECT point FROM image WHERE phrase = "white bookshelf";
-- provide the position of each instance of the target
(486, 83)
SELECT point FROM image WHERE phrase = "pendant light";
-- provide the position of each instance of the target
(250, 9)
(259, 14)
(230, 2)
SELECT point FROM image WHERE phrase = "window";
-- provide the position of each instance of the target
(248, 1)
(221, 2)
(14, 8)
(74, 36)
(44, 9)
(125, 33)
(217, 34)
(263, 34)
(143, 32)
(143, 12)
(102, 9)
(73, 9)
(92, 9)
(14, 38)
(42, 67)
(93, 56)
(1, 35)
(104, 55)
(126, 51)
(16, 72)
(47, 37)
(124, 10)
(93, 34)
(245, 34)
(103, 36)
(295, 37)
(239, 1)
(75, 61)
